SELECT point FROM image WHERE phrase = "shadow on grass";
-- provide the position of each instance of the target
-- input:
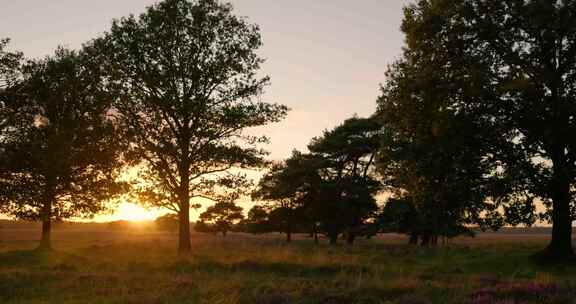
(276, 268)
(24, 285)
(326, 296)
(34, 259)
(25, 258)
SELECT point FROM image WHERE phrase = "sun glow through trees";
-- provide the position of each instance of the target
(132, 212)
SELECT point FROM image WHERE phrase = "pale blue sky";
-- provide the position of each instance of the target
(326, 58)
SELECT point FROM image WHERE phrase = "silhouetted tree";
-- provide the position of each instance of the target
(518, 58)
(186, 75)
(345, 197)
(332, 188)
(399, 216)
(64, 161)
(256, 221)
(222, 217)
(10, 64)
(120, 226)
(203, 227)
(10, 68)
(439, 149)
(167, 222)
(10, 74)
(282, 189)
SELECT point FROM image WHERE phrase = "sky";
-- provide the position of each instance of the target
(326, 58)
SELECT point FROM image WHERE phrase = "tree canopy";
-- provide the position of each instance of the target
(437, 146)
(330, 189)
(221, 217)
(10, 70)
(10, 64)
(167, 222)
(281, 190)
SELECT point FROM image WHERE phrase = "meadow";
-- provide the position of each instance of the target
(92, 264)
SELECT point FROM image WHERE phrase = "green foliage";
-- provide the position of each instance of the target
(221, 217)
(10, 65)
(533, 44)
(10, 71)
(442, 147)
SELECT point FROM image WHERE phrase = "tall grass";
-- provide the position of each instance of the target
(240, 269)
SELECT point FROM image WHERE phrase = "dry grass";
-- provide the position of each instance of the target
(95, 265)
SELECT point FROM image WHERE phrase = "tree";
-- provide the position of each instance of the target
(441, 150)
(167, 222)
(10, 63)
(62, 160)
(256, 221)
(520, 56)
(332, 188)
(10, 70)
(399, 216)
(222, 217)
(201, 226)
(281, 189)
(186, 76)
(345, 195)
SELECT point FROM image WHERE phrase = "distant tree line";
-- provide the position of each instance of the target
(474, 127)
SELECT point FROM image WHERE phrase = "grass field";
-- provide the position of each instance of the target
(91, 264)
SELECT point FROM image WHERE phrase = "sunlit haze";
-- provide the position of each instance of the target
(129, 212)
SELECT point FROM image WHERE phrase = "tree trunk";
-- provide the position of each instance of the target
(46, 239)
(560, 246)
(434, 240)
(333, 238)
(350, 238)
(425, 240)
(413, 239)
(288, 234)
(184, 245)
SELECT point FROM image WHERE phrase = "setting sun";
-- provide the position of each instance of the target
(132, 212)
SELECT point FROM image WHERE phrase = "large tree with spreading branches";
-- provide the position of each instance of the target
(186, 77)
